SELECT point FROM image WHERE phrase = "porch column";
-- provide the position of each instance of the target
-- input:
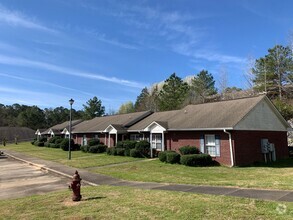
(109, 140)
(163, 141)
(151, 144)
(116, 138)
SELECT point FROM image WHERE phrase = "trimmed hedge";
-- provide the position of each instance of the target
(185, 150)
(135, 153)
(97, 148)
(163, 156)
(172, 157)
(85, 148)
(129, 144)
(143, 147)
(39, 144)
(64, 145)
(54, 145)
(196, 160)
(94, 142)
(120, 151)
(55, 140)
(111, 151)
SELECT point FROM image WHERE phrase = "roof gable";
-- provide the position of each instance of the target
(264, 116)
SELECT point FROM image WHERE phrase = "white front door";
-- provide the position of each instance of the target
(157, 141)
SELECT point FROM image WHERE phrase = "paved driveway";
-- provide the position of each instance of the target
(19, 179)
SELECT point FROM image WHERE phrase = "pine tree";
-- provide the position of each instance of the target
(173, 93)
(93, 108)
(274, 71)
(203, 85)
(142, 101)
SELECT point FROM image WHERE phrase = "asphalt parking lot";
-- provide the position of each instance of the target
(18, 179)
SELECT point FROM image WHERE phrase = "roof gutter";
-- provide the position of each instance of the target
(231, 148)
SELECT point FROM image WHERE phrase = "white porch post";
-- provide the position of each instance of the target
(163, 142)
(116, 138)
(151, 144)
(109, 140)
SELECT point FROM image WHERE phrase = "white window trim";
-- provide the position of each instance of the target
(211, 145)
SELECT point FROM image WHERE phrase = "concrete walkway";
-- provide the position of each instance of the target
(95, 179)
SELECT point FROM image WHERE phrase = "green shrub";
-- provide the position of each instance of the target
(94, 142)
(54, 139)
(196, 160)
(120, 151)
(39, 144)
(85, 148)
(43, 139)
(77, 146)
(129, 144)
(93, 149)
(135, 153)
(163, 156)
(111, 151)
(64, 145)
(97, 148)
(120, 144)
(102, 148)
(143, 147)
(172, 157)
(33, 142)
(188, 150)
(47, 144)
(127, 152)
(54, 145)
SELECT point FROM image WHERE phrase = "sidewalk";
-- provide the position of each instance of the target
(95, 179)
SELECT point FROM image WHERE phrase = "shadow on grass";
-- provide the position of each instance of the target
(284, 163)
(93, 198)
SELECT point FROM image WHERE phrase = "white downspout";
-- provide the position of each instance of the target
(231, 148)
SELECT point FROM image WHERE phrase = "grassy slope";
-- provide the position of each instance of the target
(105, 202)
(79, 159)
(155, 171)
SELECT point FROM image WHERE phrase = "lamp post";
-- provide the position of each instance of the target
(71, 101)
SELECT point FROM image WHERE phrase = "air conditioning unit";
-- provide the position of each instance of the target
(264, 146)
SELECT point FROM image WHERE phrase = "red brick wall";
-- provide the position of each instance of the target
(176, 139)
(248, 145)
(79, 137)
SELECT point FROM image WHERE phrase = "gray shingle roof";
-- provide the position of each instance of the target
(57, 129)
(99, 124)
(223, 114)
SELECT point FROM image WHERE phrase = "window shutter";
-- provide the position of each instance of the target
(202, 143)
(218, 140)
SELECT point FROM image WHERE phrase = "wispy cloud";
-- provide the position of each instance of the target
(44, 83)
(59, 69)
(16, 18)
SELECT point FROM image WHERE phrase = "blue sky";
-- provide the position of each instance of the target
(54, 50)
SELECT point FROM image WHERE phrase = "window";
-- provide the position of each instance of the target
(210, 144)
(136, 137)
(157, 141)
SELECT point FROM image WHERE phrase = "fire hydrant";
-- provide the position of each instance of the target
(75, 187)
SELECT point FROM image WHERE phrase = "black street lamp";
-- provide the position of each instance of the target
(71, 101)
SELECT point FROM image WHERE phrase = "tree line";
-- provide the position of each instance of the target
(33, 117)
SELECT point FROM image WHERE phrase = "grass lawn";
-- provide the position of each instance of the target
(278, 177)
(79, 158)
(105, 202)
(247, 177)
